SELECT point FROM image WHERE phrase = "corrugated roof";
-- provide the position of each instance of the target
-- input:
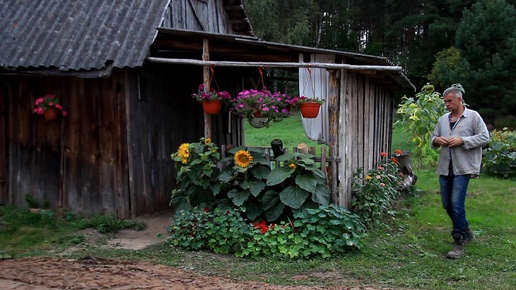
(77, 35)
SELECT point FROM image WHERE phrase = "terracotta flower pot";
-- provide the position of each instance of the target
(310, 110)
(257, 114)
(51, 114)
(211, 107)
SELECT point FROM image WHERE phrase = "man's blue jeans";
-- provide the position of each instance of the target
(453, 196)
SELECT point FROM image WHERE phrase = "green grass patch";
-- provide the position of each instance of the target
(290, 131)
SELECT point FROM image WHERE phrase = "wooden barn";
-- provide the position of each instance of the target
(124, 72)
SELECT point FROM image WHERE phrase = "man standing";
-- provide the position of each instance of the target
(461, 134)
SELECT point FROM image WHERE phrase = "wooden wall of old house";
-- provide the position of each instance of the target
(198, 15)
(77, 162)
(365, 129)
(161, 116)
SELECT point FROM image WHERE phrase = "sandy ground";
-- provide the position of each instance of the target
(41, 273)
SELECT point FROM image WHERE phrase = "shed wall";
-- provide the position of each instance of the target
(365, 128)
(77, 162)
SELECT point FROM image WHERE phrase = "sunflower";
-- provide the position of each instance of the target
(243, 158)
(184, 152)
(292, 166)
(207, 141)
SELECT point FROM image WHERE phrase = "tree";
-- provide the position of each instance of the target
(486, 37)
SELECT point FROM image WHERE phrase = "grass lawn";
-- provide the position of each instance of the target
(290, 131)
(406, 252)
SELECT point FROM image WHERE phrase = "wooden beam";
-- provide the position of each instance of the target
(333, 120)
(206, 81)
(274, 64)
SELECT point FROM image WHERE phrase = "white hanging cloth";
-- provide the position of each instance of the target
(316, 87)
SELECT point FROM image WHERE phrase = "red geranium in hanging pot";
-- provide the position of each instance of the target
(49, 106)
(211, 100)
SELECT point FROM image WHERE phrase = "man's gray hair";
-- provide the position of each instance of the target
(455, 91)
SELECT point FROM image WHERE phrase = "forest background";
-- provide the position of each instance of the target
(441, 42)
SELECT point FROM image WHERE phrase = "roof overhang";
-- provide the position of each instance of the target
(178, 44)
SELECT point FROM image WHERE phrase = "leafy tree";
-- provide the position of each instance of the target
(487, 40)
(449, 67)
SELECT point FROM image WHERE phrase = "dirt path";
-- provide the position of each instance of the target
(41, 273)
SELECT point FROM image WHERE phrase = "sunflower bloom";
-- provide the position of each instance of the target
(292, 166)
(207, 141)
(243, 158)
(184, 151)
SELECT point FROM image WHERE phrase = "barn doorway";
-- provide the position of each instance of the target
(4, 137)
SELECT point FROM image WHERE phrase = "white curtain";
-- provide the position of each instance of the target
(314, 83)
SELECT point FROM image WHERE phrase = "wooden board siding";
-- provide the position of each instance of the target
(365, 128)
(199, 15)
(77, 161)
(161, 116)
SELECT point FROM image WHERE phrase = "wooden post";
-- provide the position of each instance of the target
(206, 81)
(333, 120)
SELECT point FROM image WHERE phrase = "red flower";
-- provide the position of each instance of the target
(395, 160)
(383, 154)
(206, 209)
(398, 152)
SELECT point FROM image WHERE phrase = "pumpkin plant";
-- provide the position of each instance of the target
(302, 185)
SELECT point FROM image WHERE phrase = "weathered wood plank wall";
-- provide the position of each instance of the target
(198, 15)
(74, 162)
(161, 116)
(365, 128)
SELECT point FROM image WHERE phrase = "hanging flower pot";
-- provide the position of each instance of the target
(51, 114)
(310, 110)
(211, 100)
(211, 107)
(50, 107)
(258, 114)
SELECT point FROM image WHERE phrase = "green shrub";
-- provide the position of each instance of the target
(500, 156)
(321, 232)
(197, 174)
(247, 182)
(222, 231)
(374, 193)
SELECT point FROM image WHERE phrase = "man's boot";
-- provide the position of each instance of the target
(458, 247)
(469, 236)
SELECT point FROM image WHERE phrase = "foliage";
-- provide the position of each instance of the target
(302, 100)
(244, 181)
(262, 103)
(13, 219)
(499, 157)
(321, 232)
(210, 95)
(418, 117)
(47, 102)
(109, 224)
(303, 184)
(449, 66)
(487, 40)
(276, 194)
(374, 193)
(197, 174)
(222, 231)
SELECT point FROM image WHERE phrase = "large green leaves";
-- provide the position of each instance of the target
(278, 175)
(293, 196)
